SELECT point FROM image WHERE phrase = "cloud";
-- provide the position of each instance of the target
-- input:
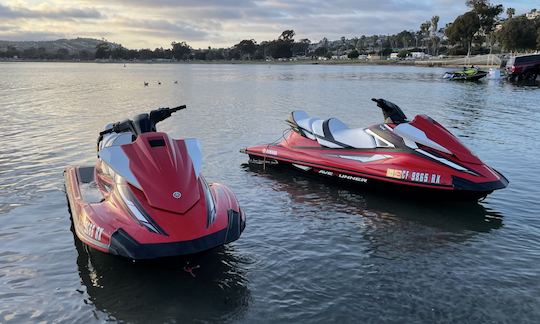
(162, 28)
(13, 34)
(48, 12)
(179, 3)
(154, 23)
(5, 28)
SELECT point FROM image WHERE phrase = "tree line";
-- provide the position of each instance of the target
(480, 30)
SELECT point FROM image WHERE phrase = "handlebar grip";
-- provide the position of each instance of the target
(177, 108)
(160, 114)
(122, 126)
(107, 131)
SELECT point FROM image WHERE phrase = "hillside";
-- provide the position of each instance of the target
(72, 45)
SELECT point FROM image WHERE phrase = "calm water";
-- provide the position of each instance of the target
(312, 251)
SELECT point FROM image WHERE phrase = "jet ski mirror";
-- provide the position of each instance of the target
(392, 113)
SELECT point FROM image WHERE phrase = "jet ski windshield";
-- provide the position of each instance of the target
(392, 113)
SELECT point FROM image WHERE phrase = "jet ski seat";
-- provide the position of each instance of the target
(332, 133)
(338, 132)
(304, 122)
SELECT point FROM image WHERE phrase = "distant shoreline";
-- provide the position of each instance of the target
(421, 63)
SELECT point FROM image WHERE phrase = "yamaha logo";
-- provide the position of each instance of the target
(176, 195)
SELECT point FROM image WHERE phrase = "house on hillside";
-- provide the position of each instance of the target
(533, 14)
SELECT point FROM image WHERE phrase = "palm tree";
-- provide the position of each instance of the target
(434, 38)
(424, 31)
(510, 12)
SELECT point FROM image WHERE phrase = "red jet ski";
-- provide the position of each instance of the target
(146, 197)
(418, 156)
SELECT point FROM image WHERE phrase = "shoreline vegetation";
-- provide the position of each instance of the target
(480, 36)
(458, 61)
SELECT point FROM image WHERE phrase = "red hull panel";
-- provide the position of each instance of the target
(96, 223)
(401, 167)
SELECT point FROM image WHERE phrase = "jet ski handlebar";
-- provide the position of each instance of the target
(155, 117)
(392, 113)
(117, 127)
(160, 114)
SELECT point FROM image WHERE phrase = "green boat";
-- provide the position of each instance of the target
(467, 74)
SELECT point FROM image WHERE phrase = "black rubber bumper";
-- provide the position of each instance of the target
(463, 184)
(124, 245)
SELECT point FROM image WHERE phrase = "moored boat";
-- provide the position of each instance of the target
(418, 156)
(466, 74)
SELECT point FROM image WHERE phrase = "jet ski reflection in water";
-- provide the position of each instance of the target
(459, 221)
(162, 290)
(418, 156)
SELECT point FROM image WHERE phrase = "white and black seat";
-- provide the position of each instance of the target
(304, 122)
(332, 132)
(339, 134)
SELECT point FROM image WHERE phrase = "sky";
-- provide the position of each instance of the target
(221, 23)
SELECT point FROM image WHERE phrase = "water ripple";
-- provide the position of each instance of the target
(312, 251)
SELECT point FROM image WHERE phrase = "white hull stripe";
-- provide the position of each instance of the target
(442, 160)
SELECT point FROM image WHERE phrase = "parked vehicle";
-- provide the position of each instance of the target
(523, 67)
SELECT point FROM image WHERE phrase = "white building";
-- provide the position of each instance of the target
(418, 55)
(532, 15)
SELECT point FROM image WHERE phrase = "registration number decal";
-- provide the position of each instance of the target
(90, 229)
(424, 177)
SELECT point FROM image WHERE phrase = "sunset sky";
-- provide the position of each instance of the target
(155, 23)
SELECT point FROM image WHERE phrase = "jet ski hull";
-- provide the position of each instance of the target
(398, 168)
(102, 222)
(464, 77)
